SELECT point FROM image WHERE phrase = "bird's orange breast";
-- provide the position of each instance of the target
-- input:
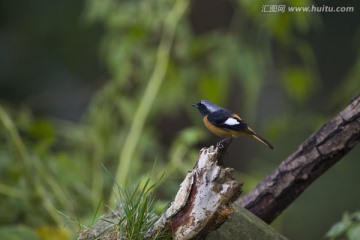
(219, 131)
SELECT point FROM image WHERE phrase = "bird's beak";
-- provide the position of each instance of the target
(194, 105)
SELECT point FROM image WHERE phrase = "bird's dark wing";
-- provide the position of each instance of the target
(218, 117)
(227, 120)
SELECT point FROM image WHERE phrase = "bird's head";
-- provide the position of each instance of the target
(205, 107)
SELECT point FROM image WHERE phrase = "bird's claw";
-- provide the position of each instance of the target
(224, 143)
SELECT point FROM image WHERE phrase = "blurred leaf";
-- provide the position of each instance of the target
(190, 136)
(180, 153)
(42, 129)
(211, 88)
(354, 232)
(340, 227)
(348, 228)
(52, 233)
(18, 233)
(298, 84)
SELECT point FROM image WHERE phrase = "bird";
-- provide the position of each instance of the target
(224, 123)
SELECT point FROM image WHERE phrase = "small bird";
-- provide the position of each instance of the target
(224, 123)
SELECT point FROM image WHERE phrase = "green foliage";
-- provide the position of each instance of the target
(348, 228)
(133, 218)
(27, 179)
(298, 84)
(137, 214)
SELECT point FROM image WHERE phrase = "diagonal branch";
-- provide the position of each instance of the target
(311, 159)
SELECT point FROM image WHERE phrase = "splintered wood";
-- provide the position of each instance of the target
(204, 200)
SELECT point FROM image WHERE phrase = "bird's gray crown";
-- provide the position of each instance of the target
(209, 105)
(205, 107)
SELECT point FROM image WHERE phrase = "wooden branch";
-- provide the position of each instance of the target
(204, 200)
(311, 159)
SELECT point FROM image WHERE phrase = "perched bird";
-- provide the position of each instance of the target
(224, 123)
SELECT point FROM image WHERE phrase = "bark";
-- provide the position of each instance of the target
(204, 200)
(311, 159)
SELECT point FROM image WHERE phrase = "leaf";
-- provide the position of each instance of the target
(339, 228)
(354, 232)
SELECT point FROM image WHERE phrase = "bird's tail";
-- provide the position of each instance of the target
(263, 141)
(252, 133)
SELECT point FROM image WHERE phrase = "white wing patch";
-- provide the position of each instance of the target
(231, 121)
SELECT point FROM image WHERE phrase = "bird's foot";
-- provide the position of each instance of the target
(223, 144)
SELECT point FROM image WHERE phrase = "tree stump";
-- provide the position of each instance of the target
(205, 198)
